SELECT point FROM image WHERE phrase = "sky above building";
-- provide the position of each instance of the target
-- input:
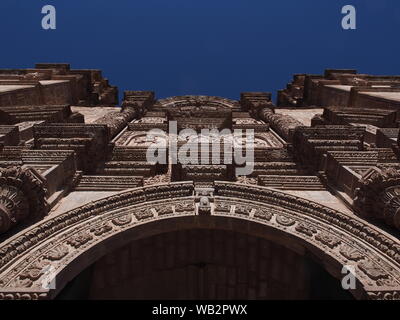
(216, 47)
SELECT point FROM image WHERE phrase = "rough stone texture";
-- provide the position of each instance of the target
(324, 192)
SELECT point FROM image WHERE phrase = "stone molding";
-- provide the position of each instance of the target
(79, 235)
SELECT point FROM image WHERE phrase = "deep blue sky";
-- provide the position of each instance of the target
(212, 47)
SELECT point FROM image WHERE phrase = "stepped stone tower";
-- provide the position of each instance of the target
(85, 214)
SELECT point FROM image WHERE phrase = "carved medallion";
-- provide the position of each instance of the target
(123, 220)
(285, 220)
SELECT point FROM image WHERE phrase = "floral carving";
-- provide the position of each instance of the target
(143, 214)
(350, 253)
(389, 282)
(243, 209)
(34, 271)
(306, 228)
(101, 229)
(80, 239)
(162, 210)
(122, 220)
(184, 206)
(328, 239)
(223, 206)
(371, 269)
(21, 283)
(264, 214)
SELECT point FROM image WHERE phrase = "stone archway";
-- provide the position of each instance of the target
(68, 243)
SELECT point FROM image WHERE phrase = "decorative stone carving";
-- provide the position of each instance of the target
(122, 220)
(263, 214)
(101, 229)
(35, 271)
(288, 156)
(378, 195)
(253, 198)
(184, 207)
(306, 228)
(285, 221)
(246, 180)
(80, 239)
(204, 206)
(223, 206)
(22, 197)
(143, 214)
(351, 253)
(328, 239)
(57, 253)
(373, 270)
(165, 209)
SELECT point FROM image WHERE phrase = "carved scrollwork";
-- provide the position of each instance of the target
(184, 206)
(162, 210)
(101, 229)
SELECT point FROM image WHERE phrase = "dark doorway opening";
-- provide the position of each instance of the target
(204, 264)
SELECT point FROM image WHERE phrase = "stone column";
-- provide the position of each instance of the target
(260, 106)
(134, 105)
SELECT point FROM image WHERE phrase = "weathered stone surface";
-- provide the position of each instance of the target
(77, 191)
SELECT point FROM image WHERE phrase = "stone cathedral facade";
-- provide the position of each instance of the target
(84, 215)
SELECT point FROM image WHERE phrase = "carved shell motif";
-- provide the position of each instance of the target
(57, 253)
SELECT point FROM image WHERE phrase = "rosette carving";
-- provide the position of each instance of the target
(22, 197)
(378, 196)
